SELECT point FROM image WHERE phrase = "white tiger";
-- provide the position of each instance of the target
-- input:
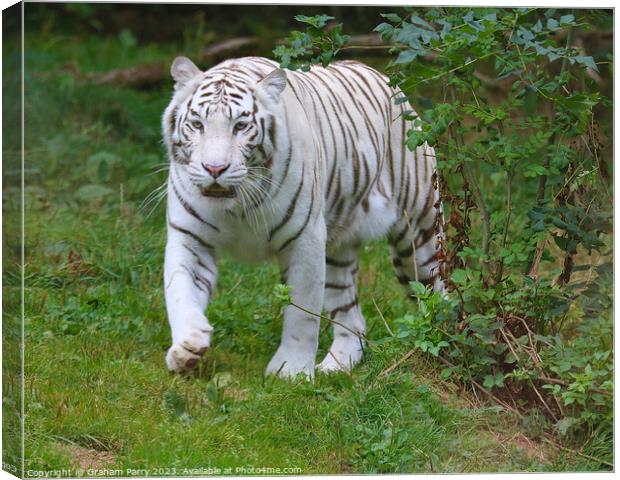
(300, 167)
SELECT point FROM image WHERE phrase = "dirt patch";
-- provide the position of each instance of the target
(86, 458)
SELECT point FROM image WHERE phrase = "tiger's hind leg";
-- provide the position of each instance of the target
(341, 303)
(416, 251)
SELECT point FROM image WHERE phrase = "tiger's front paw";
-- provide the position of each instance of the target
(188, 348)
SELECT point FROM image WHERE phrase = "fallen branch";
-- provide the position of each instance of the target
(149, 74)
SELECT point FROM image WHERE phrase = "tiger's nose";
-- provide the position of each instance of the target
(215, 170)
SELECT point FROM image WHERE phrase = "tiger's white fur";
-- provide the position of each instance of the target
(317, 165)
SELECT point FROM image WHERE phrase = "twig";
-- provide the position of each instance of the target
(148, 74)
(399, 362)
(535, 355)
(382, 317)
(540, 397)
(457, 68)
(566, 449)
(323, 317)
(234, 286)
(501, 330)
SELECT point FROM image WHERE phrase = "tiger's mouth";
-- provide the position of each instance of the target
(218, 191)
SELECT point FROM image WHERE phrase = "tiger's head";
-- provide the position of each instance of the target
(220, 126)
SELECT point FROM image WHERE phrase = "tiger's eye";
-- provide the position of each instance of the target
(197, 125)
(240, 126)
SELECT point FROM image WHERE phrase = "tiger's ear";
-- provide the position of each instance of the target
(272, 85)
(183, 70)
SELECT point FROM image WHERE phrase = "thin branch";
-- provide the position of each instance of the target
(387, 327)
(331, 320)
(501, 330)
(397, 363)
(540, 397)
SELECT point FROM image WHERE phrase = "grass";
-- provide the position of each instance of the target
(97, 393)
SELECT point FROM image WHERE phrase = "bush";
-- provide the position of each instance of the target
(513, 108)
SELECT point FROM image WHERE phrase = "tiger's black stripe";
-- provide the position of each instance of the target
(303, 227)
(188, 208)
(344, 308)
(290, 209)
(190, 234)
(339, 263)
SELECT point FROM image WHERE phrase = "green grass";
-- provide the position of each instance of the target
(96, 329)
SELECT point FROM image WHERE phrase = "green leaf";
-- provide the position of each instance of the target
(510, 358)
(392, 17)
(567, 20)
(417, 288)
(283, 293)
(587, 61)
(552, 24)
(318, 21)
(406, 56)
(496, 380)
(534, 171)
(459, 276)
(418, 21)
(385, 30)
(550, 12)
(424, 388)
(447, 372)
